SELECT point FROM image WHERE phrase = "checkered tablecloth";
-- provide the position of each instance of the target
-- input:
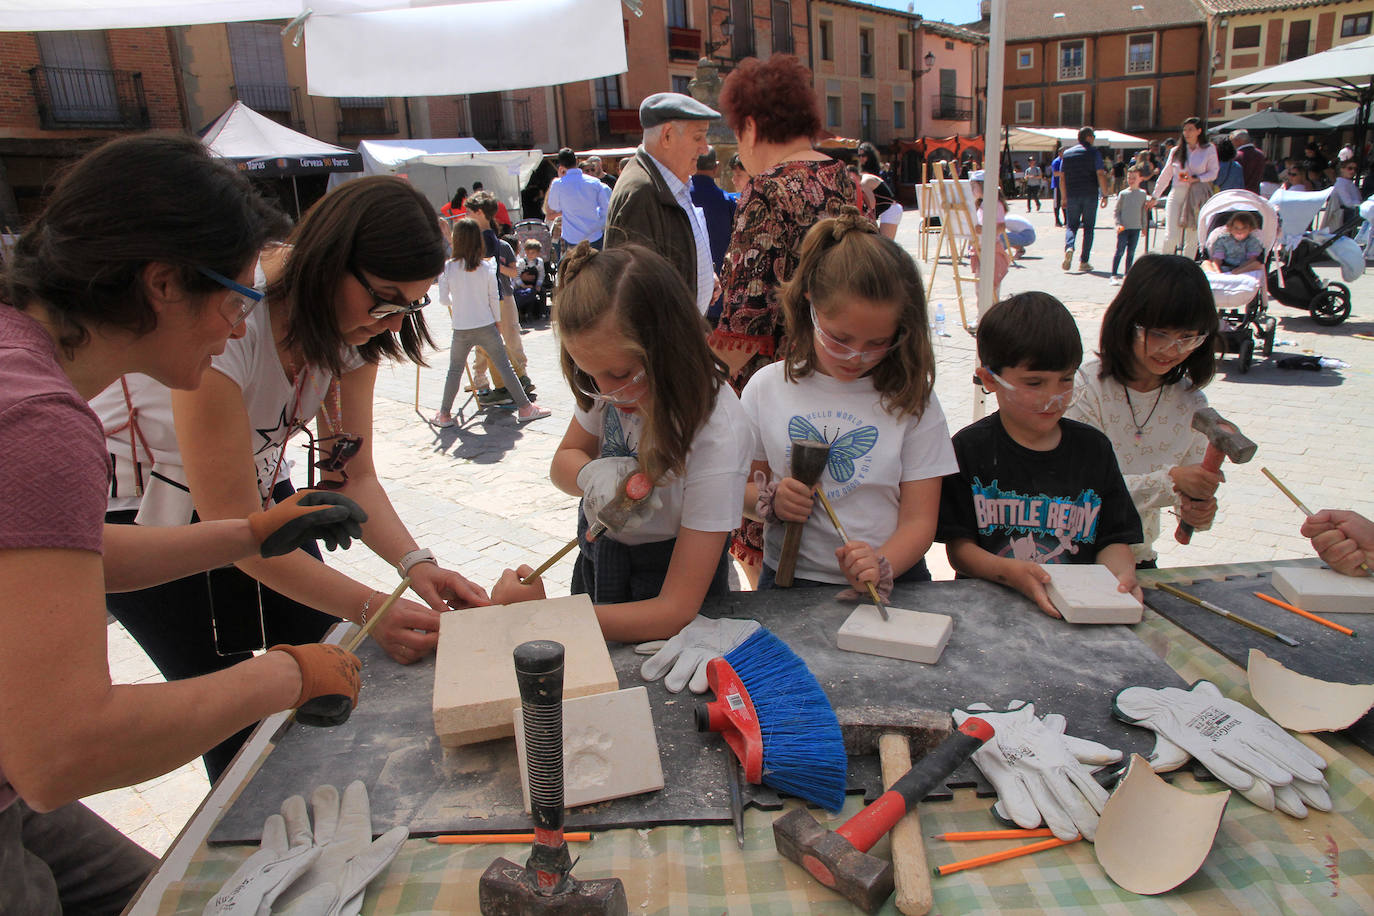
(1262, 862)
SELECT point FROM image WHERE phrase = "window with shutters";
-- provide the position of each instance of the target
(259, 66)
(1071, 109)
(1071, 56)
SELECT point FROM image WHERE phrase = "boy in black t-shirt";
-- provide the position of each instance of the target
(1033, 487)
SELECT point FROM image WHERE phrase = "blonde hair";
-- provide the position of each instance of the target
(844, 256)
(637, 293)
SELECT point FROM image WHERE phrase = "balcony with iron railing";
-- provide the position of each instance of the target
(365, 117)
(951, 107)
(73, 97)
(614, 126)
(877, 131)
(497, 123)
(277, 101)
(1295, 50)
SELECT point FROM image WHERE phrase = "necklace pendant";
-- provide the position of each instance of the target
(1139, 434)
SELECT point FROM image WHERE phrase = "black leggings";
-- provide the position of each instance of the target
(172, 623)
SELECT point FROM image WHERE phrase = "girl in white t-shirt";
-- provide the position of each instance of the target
(1154, 357)
(651, 397)
(859, 375)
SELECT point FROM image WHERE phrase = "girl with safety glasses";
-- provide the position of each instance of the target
(1156, 354)
(651, 398)
(859, 375)
(346, 292)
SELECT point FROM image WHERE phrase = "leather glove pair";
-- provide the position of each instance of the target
(308, 515)
(687, 653)
(1239, 746)
(302, 871)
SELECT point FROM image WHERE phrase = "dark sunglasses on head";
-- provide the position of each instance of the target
(383, 307)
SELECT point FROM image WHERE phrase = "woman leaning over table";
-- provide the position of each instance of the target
(345, 293)
(771, 106)
(132, 266)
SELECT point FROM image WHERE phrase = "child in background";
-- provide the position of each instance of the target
(529, 282)
(1033, 487)
(1131, 206)
(468, 287)
(1154, 357)
(859, 374)
(483, 207)
(650, 397)
(1238, 250)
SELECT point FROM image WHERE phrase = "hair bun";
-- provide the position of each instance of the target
(848, 220)
(573, 262)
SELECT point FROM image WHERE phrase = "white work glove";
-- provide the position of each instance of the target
(349, 859)
(601, 481)
(688, 652)
(1240, 747)
(1039, 772)
(255, 885)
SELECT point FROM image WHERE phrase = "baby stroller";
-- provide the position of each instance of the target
(1292, 281)
(534, 302)
(1240, 298)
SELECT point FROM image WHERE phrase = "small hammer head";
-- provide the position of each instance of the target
(865, 881)
(1224, 435)
(508, 889)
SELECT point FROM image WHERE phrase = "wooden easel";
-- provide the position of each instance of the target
(957, 230)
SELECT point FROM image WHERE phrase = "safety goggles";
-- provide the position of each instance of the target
(843, 351)
(627, 393)
(1037, 400)
(330, 454)
(237, 307)
(1162, 343)
(383, 307)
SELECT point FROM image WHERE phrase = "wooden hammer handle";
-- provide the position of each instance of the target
(909, 868)
(1211, 460)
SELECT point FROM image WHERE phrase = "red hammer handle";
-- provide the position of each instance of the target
(1212, 462)
(872, 823)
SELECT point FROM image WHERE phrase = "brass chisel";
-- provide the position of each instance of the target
(1209, 606)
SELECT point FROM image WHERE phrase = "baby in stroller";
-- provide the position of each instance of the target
(529, 284)
(1238, 250)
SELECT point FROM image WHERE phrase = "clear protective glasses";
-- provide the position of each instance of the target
(846, 353)
(385, 308)
(627, 393)
(1162, 343)
(1040, 400)
(238, 307)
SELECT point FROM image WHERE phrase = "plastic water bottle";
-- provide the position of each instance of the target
(940, 320)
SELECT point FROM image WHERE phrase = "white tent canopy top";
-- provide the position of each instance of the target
(1044, 139)
(263, 147)
(438, 167)
(1339, 65)
(391, 48)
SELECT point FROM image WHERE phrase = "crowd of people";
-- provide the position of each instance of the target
(164, 333)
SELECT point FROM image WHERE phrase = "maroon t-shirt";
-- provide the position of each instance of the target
(55, 470)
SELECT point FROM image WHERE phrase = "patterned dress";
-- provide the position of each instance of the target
(775, 210)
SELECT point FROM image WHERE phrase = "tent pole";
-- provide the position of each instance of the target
(992, 154)
(296, 193)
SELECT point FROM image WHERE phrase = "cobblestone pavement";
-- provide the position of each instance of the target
(479, 495)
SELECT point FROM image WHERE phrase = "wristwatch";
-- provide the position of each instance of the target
(416, 556)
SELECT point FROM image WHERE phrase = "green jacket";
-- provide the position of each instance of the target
(644, 212)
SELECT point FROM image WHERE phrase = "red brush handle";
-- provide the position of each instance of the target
(732, 714)
(1212, 462)
(872, 823)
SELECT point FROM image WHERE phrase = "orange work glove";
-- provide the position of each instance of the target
(325, 671)
(308, 515)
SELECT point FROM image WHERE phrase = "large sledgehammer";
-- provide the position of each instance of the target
(839, 859)
(1224, 440)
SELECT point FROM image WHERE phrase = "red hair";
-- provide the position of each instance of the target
(777, 93)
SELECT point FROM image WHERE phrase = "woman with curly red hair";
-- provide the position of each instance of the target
(771, 106)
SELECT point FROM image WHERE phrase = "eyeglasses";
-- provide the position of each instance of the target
(843, 351)
(1038, 401)
(383, 307)
(1159, 343)
(619, 397)
(238, 307)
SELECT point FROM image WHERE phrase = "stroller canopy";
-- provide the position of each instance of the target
(1218, 208)
(1297, 209)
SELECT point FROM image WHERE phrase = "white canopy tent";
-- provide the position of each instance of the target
(1044, 139)
(415, 47)
(438, 167)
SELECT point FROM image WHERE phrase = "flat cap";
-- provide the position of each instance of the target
(662, 107)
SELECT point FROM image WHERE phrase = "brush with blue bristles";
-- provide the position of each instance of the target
(777, 720)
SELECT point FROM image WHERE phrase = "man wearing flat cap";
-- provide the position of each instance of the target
(652, 205)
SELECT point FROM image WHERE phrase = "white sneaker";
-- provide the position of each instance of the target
(1115, 280)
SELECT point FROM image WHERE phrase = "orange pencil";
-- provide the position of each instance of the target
(1005, 854)
(485, 838)
(1308, 614)
(1019, 833)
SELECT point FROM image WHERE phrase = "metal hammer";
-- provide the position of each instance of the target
(891, 732)
(1224, 440)
(839, 858)
(544, 884)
